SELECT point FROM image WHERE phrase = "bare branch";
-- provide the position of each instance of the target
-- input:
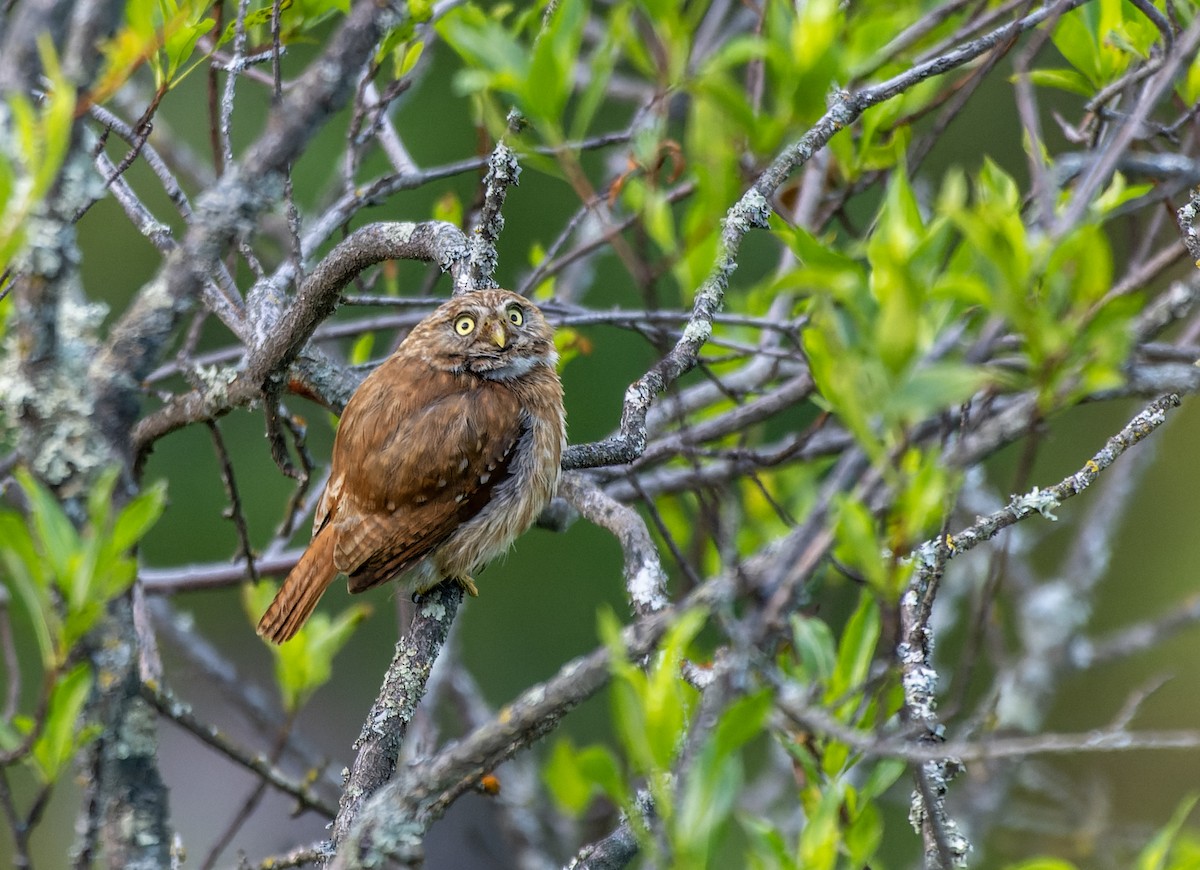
(181, 714)
(1045, 501)
(281, 342)
(503, 171)
(378, 746)
(1187, 216)
(645, 579)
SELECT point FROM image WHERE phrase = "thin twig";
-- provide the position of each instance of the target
(182, 715)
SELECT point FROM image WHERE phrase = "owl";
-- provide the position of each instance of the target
(445, 454)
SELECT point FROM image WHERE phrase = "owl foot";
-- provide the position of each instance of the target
(468, 585)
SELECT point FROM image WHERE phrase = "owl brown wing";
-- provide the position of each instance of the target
(375, 414)
(415, 474)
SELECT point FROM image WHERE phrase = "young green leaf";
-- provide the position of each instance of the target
(56, 538)
(61, 735)
(857, 648)
(24, 574)
(304, 663)
(574, 775)
(1154, 855)
(819, 841)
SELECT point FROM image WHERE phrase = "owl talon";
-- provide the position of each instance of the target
(468, 586)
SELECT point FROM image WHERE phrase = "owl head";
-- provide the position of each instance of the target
(495, 334)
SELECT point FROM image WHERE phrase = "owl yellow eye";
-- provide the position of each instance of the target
(516, 316)
(464, 325)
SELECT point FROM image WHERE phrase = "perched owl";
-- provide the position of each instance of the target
(444, 455)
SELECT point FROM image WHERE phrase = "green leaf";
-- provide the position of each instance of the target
(1154, 855)
(25, 576)
(485, 44)
(360, 351)
(843, 382)
(883, 776)
(857, 648)
(815, 648)
(712, 788)
(857, 542)
(568, 785)
(182, 33)
(658, 220)
(61, 735)
(936, 386)
(1063, 79)
(768, 849)
(1079, 44)
(1117, 194)
(650, 707)
(449, 208)
(56, 538)
(574, 776)
(1188, 86)
(139, 516)
(551, 69)
(408, 61)
(863, 835)
(100, 497)
(57, 119)
(742, 721)
(819, 841)
(716, 779)
(667, 697)
(304, 663)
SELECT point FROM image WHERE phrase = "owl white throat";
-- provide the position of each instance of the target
(519, 366)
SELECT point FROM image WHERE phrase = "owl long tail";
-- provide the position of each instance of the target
(301, 590)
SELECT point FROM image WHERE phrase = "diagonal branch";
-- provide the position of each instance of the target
(752, 211)
(392, 824)
(378, 746)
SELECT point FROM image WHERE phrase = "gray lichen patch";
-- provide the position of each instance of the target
(50, 403)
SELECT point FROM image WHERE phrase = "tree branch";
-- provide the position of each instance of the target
(378, 746)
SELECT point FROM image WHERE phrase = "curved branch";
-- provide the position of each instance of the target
(430, 241)
(645, 579)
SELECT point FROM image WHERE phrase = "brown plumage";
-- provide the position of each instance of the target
(444, 455)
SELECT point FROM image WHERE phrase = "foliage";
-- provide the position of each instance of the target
(651, 711)
(32, 153)
(64, 578)
(305, 663)
(164, 34)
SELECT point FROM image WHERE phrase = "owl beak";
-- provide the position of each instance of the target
(499, 336)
